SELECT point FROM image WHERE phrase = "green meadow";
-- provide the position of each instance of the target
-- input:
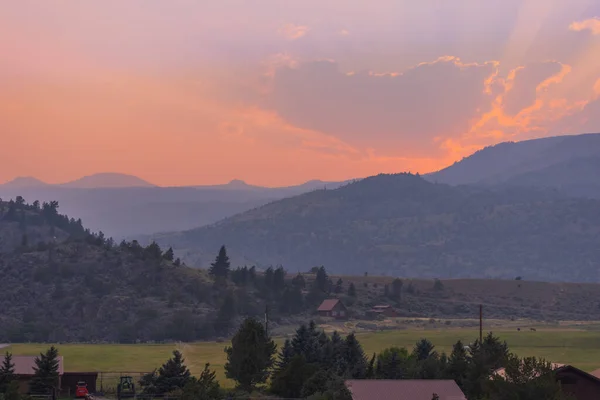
(578, 347)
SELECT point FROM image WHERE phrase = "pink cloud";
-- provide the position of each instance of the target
(592, 25)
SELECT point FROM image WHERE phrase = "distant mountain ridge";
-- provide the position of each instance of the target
(402, 225)
(99, 180)
(511, 162)
(139, 208)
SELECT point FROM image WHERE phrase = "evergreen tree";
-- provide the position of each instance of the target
(292, 301)
(173, 374)
(278, 279)
(226, 314)
(250, 355)
(152, 252)
(7, 372)
(321, 282)
(45, 377)
(299, 281)
(288, 381)
(484, 358)
(458, 364)
(285, 355)
(169, 254)
(423, 350)
(525, 379)
(351, 290)
(12, 391)
(355, 358)
(220, 268)
(206, 387)
(338, 286)
(392, 363)
(269, 277)
(397, 289)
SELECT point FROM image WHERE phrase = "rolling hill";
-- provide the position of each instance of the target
(550, 162)
(402, 225)
(62, 283)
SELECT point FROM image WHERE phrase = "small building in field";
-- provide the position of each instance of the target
(385, 310)
(333, 308)
(404, 389)
(24, 370)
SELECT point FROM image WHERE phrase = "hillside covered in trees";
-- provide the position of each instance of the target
(60, 282)
(402, 225)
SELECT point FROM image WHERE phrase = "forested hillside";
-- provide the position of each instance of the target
(402, 225)
(62, 283)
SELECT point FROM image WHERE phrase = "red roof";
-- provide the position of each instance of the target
(595, 373)
(422, 389)
(24, 364)
(328, 305)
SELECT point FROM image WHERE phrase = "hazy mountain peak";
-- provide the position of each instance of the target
(237, 183)
(108, 180)
(25, 181)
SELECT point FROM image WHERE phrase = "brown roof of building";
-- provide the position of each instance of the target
(596, 373)
(423, 389)
(328, 305)
(24, 364)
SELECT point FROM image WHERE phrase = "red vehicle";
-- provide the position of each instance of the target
(81, 391)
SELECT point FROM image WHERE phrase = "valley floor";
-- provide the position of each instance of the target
(571, 342)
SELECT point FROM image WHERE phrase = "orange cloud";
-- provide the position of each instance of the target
(293, 31)
(592, 24)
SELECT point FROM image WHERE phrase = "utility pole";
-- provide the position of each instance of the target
(480, 323)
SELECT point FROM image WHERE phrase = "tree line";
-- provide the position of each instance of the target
(314, 365)
(45, 379)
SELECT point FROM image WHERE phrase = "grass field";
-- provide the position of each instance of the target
(578, 347)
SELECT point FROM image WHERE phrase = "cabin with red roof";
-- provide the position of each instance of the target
(333, 308)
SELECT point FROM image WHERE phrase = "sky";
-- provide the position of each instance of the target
(278, 92)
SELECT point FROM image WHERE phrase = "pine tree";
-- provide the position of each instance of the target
(7, 372)
(250, 355)
(352, 290)
(45, 378)
(355, 358)
(204, 388)
(397, 289)
(12, 391)
(220, 268)
(322, 280)
(299, 281)
(458, 364)
(289, 381)
(285, 355)
(423, 350)
(226, 313)
(173, 374)
(338, 286)
(169, 254)
(392, 363)
(278, 279)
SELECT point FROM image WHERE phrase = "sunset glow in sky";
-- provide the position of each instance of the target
(278, 92)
